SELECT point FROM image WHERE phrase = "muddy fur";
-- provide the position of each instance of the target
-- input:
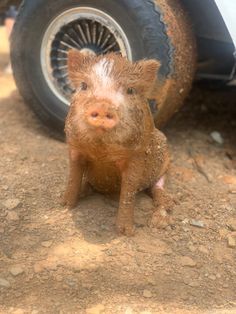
(113, 143)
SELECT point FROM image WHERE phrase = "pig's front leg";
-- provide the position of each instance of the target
(77, 167)
(163, 205)
(125, 216)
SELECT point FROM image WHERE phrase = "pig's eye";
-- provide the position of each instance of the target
(131, 91)
(83, 86)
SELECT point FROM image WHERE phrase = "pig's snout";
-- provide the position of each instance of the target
(102, 116)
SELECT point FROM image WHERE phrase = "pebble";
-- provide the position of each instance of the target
(147, 293)
(16, 270)
(212, 277)
(187, 261)
(18, 311)
(4, 283)
(46, 243)
(216, 136)
(12, 203)
(191, 283)
(231, 223)
(192, 248)
(38, 268)
(129, 311)
(231, 242)
(12, 216)
(97, 309)
(223, 233)
(196, 223)
(228, 179)
(203, 249)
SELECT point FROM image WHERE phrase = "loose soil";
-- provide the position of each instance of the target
(57, 261)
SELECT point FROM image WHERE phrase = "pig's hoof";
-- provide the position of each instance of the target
(68, 203)
(161, 219)
(125, 229)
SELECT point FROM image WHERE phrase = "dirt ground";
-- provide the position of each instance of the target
(58, 261)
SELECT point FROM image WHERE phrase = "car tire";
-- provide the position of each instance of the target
(146, 30)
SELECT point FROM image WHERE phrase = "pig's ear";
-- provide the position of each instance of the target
(149, 69)
(145, 75)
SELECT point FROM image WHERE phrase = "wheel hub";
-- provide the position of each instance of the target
(87, 29)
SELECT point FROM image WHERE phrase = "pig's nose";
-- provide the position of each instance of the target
(102, 117)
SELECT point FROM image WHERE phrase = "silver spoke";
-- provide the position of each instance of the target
(82, 33)
(58, 59)
(106, 40)
(61, 75)
(60, 50)
(109, 47)
(66, 44)
(100, 36)
(62, 67)
(94, 33)
(88, 33)
(72, 40)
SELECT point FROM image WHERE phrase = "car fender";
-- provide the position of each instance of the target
(227, 9)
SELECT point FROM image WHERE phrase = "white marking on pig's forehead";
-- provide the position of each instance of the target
(104, 83)
(103, 70)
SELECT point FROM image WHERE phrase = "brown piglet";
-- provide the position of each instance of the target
(113, 143)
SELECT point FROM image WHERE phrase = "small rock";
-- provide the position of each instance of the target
(230, 180)
(192, 248)
(191, 283)
(203, 249)
(4, 283)
(129, 311)
(12, 216)
(212, 277)
(232, 224)
(151, 281)
(147, 293)
(46, 243)
(231, 242)
(38, 268)
(12, 203)
(35, 312)
(16, 270)
(18, 311)
(97, 309)
(216, 136)
(223, 233)
(5, 187)
(196, 223)
(145, 312)
(187, 261)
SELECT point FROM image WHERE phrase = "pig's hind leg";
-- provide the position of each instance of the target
(163, 205)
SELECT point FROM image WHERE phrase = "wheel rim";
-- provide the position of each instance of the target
(85, 29)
